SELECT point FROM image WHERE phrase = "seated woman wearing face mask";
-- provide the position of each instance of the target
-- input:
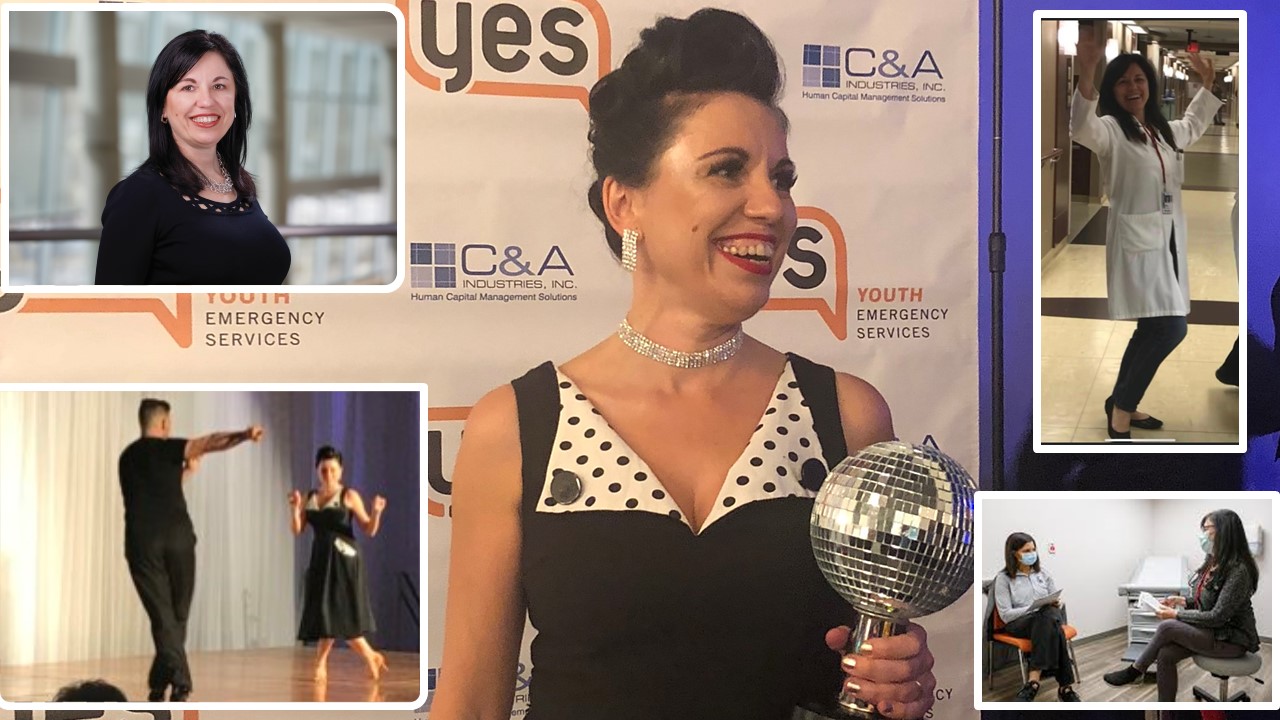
(1217, 620)
(1016, 589)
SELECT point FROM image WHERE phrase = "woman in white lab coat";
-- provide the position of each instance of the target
(1141, 154)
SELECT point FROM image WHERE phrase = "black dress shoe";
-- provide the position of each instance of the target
(1068, 695)
(179, 694)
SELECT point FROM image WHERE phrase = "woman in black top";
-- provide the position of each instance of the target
(1217, 620)
(189, 215)
(647, 503)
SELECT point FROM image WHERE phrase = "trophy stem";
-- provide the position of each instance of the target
(868, 627)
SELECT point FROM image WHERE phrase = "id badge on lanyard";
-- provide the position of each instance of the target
(1166, 198)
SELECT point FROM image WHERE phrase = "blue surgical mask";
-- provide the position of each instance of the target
(1206, 544)
(1029, 558)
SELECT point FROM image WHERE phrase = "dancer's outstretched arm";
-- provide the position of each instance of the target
(296, 518)
(369, 522)
(216, 442)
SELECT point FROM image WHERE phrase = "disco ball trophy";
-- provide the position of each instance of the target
(892, 531)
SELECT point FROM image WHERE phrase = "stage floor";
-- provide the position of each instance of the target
(275, 675)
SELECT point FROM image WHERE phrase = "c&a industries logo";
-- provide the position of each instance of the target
(453, 272)
(871, 74)
(537, 48)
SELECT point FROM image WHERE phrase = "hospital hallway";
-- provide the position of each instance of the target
(1081, 348)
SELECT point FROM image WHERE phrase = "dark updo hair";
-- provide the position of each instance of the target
(328, 452)
(174, 61)
(1107, 104)
(636, 109)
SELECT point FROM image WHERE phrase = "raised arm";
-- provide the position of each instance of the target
(369, 521)
(297, 518)
(1086, 127)
(216, 442)
(485, 609)
(1199, 114)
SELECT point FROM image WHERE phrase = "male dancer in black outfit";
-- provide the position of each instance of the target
(160, 542)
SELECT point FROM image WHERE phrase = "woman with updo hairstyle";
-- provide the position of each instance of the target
(335, 601)
(647, 502)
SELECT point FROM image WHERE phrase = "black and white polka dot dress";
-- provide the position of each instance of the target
(636, 615)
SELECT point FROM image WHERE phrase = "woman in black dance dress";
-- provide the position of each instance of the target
(336, 602)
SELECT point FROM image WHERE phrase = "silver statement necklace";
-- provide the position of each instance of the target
(677, 358)
(226, 186)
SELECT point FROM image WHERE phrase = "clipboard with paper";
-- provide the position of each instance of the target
(1046, 600)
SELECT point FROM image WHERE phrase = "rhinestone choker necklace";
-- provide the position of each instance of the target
(676, 358)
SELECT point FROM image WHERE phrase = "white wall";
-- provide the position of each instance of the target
(1098, 544)
(1178, 521)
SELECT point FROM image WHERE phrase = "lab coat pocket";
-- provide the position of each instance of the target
(1140, 232)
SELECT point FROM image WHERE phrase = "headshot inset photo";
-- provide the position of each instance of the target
(1139, 282)
(1153, 600)
(169, 543)
(169, 148)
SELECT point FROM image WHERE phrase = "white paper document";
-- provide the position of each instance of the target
(1046, 600)
(1148, 601)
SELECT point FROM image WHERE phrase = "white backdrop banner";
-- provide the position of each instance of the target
(508, 267)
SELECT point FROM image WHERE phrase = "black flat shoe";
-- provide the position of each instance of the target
(1122, 677)
(1146, 423)
(156, 695)
(1068, 695)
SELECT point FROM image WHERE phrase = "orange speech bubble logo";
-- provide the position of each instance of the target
(177, 322)
(495, 42)
(835, 315)
(442, 414)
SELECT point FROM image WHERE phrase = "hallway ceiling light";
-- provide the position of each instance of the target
(1113, 49)
(1227, 78)
(1068, 36)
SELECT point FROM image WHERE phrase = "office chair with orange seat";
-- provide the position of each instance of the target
(993, 635)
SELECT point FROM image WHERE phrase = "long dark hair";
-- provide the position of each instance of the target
(1011, 545)
(173, 62)
(637, 109)
(1107, 104)
(1230, 547)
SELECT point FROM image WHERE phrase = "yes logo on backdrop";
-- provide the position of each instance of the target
(535, 49)
(815, 277)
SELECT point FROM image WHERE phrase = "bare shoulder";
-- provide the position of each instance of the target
(489, 459)
(863, 412)
(493, 420)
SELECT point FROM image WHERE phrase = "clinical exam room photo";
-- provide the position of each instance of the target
(1125, 597)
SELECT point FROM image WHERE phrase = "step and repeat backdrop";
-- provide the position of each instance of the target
(507, 267)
